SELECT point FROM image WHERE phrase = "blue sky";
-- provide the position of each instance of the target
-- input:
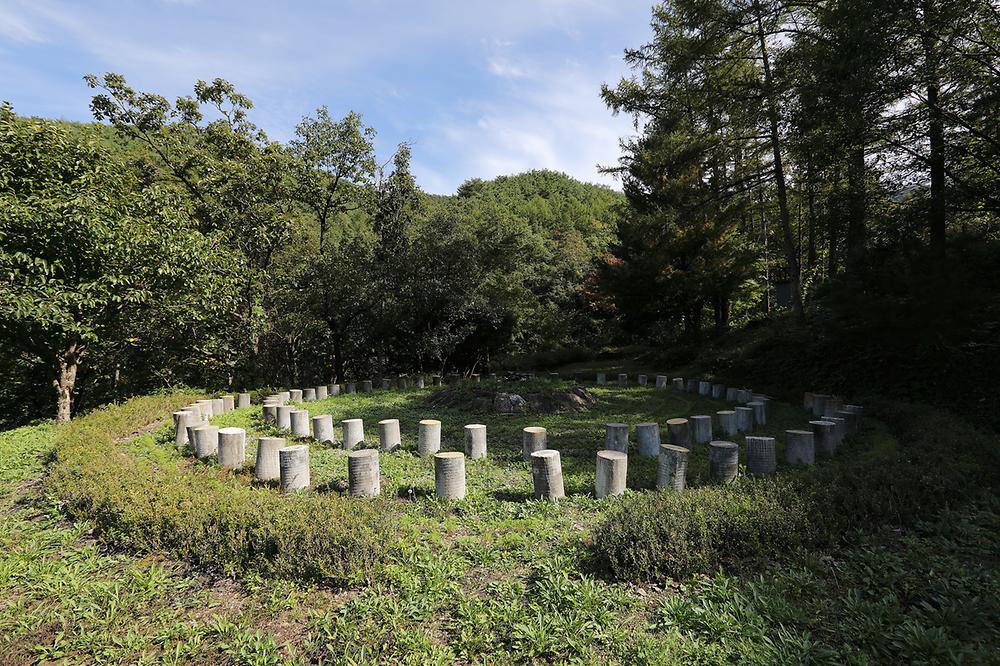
(479, 88)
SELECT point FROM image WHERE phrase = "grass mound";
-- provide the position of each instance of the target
(530, 396)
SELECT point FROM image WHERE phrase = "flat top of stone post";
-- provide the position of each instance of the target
(363, 453)
(677, 421)
(449, 455)
(674, 448)
(700, 416)
(822, 422)
(295, 448)
(754, 403)
(474, 426)
(232, 431)
(611, 455)
(759, 438)
(386, 421)
(798, 432)
(726, 411)
(206, 426)
(545, 453)
(723, 445)
(352, 421)
(430, 422)
(534, 429)
(646, 425)
(616, 425)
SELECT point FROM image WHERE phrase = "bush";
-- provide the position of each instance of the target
(205, 515)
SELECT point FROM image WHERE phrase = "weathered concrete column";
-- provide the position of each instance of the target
(182, 420)
(436, 380)
(746, 395)
(449, 475)
(350, 387)
(419, 381)
(366, 386)
(819, 403)
(704, 388)
(293, 464)
(799, 447)
(333, 389)
(616, 437)
(679, 432)
(601, 378)
(718, 391)
(353, 431)
(294, 395)
(232, 451)
(761, 459)
(623, 379)
(402, 383)
(671, 467)
(207, 407)
(546, 473)
(678, 383)
(322, 428)
(429, 438)
(647, 436)
(727, 422)
(285, 417)
(661, 381)
(363, 479)
(833, 405)
(641, 380)
(732, 394)
(855, 409)
(286, 396)
(267, 467)
(218, 406)
(851, 419)
(386, 383)
(759, 412)
(533, 438)
(243, 400)
(309, 395)
(475, 441)
(759, 397)
(691, 385)
(701, 428)
(206, 441)
(228, 403)
(300, 422)
(744, 419)
(321, 393)
(839, 429)
(611, 475)
(200, 412)
(270, 413)
(388, 435)
(723, 461)
(824, 437)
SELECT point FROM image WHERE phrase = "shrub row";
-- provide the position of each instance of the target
(203, 514)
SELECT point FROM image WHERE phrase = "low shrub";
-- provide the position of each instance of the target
(202, 513)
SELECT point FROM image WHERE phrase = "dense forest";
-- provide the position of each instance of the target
(786, 156)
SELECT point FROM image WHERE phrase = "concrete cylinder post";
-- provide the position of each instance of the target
(206, 441)
(429, 438)
(218, 406)
(354, 433)
(366, 386)
(727, 422)
(601, 379)
(321, 392)
(718, 391)
(449, 475)
(232, 448)
(322, 428)
(350, 387)
(228, 403)
(691, 385)
(201, 414)
(363, 479)
(616, 437)
(761, 459)
(546, 474)
(299, 422)
(839, 430)
(611, 474)
(746, 395)
(533, 438)
(819, 403)
(799, 447)
(243, 400)
(679, 432)
(744, 419)
(270, 413)
(723, 461)
(207, 407)
(661, 381)
(732, 394)
(386, 383)
(295, 395)
(388, 435)
(286, 396)
(475, 441)
(833, 405)
(475, 377)
(701, 429)
(855, 409)
(759, 412)
(704, 388)
(293, 468)
(309, 395)
(436, 380)
(182, 420)
(267, 467)
(671, 467)
(647, 436)
(623, 379)
(333, 389)
(678, 383)
(641, 380)
(850, 418)
(419, 381)
(824, 437)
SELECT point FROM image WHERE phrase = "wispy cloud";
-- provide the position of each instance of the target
(15, 28)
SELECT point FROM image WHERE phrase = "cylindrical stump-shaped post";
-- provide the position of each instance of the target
(228, 403)
(623, 379)
(299, 422)
(206, 441)
(732, 394)
(744, 419)
(363, 478)
(309, 395)
(284, 417)
(718, 390)
(293, 464)
(321, 392)
(799, 447)
(546, 473)
(322, 428)
(286, 396)
(616, 437)
(449, 475)
(647, 436)
(679, 432)
(207, 407)
(388, 435)
(218, 406)
(671, 467)
(661, 381)
(232, 447)
(436, 380)
(182, 420)
(601, 378)
(270, 413)
(727, 422)
(268, 467)
(839, 429)
(403, 383)
(429, 439)
(807, 400)
(701, 429)
(723, 461)
(824, 437)
(350, 387)
(243, 400)
(761, 459)
(354, 432)
(704, 388)
(386, 383)
(475, 441)
(641, 380)
(419, 382)
(294, 395)
(612, 471)
(333, 389)
(759, 412)
(533, 438)
(819, 403)
(850, 418)
(678, 383)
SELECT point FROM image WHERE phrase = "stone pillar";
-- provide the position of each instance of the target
(321, 393)
(727, 422)
(243, 400)
(207, 407)
(661, 381)
(270, 411)
(746, 395)
(429, 439)
(679, 432)
(819, 403)
(799, 447)
(671, 467)
(641, 380)
(732, 394)
(723, 461)
(232, 452)
(309, 395)
(718, 391)
(807, 401)
(420, 381)
(388, 435)
(218, 406)
(366, 386)
(286, 396)
(436, 380)
(206, 441)
(284, 421)
(616, 437)
(601, 378)
(761, 460)
(701, 429)
(855, 409)
(824, 437)
(678, 383)
(182, 420)
(350, 387)
(363, 478)
(267, 467)
(228, 403)
(704, 388)
(839, 429)
(354, 432)
(691, 386)
(546, 473)
(333, 389)
(386, 383)
(850, 418)
(322, 427)
(744, 419)
(449, 475)
(475, 441)
(647, 436)
(623, 379)
(293, 464)
(611, 475)
(759, 412)
(200, 412)
(300, 422)
(533, 438)
(402, 384)
(294, 395)
(759, 397)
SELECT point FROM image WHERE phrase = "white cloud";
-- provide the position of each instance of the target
(17, 29)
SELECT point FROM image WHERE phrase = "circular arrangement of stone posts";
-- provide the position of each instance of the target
(267, 466)
(475, 441)
(671, 467)
(533, 438)
(293, 465)
(761, 460)
(388, 435)
(363, 478)
(723, 461)
(647, 437)
(449, 475)
(611, 474)
(322, 428)
(799, 447)
(232, 451)
(546, 474)
(429, 439)
(616, 437)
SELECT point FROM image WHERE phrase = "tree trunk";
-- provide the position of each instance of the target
(935, 136)
(338, 357)
(65, 382)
